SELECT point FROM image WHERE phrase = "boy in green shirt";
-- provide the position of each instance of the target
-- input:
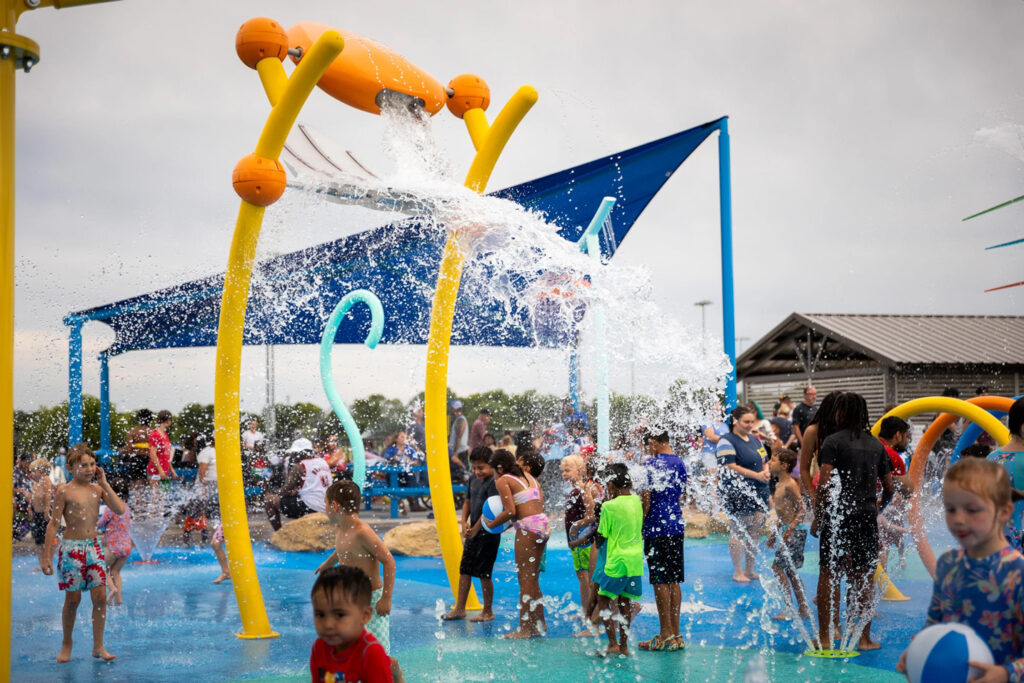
(621, 561)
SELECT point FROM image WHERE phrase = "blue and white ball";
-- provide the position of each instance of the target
(492, 508)
(939, 654)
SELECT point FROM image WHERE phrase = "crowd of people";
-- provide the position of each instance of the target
(814, 467)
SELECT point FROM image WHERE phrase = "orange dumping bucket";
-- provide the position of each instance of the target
(367, 73)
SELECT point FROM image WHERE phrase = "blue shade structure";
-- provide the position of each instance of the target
(292, 295)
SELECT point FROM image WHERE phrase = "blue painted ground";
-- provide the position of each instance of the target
(176, 625)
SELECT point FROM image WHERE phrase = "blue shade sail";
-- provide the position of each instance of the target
(292, 295)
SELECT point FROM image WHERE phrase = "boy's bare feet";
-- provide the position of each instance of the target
(753, 576)
(65, 653)
(740, 578)
(483, 616)
(781, 616)
(455, 615)
(588, 633)
(866, 644)
(223, 577)
(101, 653)
(608, 651)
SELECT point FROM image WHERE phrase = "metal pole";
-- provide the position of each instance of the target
(270, 418)
(574, 378)
(728, 299)
(74, 382)
(104, 402)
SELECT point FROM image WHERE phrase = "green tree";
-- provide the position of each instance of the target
(378, 415)
(193, 419)
(303, 418)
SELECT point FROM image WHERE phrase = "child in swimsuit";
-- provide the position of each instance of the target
(81, 564)
(521, 496)
(118, 540)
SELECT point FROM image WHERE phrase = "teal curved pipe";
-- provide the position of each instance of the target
(327, 374)
(590, 243)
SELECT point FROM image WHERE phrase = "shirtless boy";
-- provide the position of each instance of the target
(356, 545)
(81, 564)
(789, 556)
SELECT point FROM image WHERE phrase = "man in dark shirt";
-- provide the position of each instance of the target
(849, 521)
(804, 413)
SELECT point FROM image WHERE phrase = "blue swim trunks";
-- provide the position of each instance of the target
(81, 565)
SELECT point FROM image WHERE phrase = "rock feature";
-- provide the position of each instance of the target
(312, 533)
(417, 539)
(696, 524)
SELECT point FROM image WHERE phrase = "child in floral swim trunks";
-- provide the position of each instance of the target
(81, 564)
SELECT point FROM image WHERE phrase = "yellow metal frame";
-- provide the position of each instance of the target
(489, 142)
(23, 53)
(286, 95)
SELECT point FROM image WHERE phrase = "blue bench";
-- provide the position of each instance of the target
(392, 490)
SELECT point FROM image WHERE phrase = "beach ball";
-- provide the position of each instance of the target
(583, 532)
(492, 508)
(939, 654)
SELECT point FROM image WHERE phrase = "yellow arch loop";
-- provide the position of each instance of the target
(287, 97)
(941, 404)
(490, 143)
(946, 404)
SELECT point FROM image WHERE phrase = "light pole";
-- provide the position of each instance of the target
(703, 303)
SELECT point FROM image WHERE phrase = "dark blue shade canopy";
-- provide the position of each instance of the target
(292, 295)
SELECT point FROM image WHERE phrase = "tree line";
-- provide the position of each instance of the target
(45, 429)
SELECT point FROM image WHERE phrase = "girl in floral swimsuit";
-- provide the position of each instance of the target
(523, 502)
(118, 540)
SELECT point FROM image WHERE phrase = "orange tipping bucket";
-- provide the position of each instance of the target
(366, 72)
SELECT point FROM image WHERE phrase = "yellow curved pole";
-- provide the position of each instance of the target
(950, 406)
(946, 404)
(438, 344)
(229, 338)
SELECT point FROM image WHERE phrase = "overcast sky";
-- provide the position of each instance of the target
(862, 133)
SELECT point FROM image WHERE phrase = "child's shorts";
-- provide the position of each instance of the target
(479, 554)
(619, 586)
(665, 558)
(580, 558)
(39, 528)
(81, 565)
(791, 556)
(379, 626)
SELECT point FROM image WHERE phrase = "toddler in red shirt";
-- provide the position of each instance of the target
(345, 650)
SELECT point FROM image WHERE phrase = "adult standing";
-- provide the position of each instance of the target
(821, 427)
(160, 449)
(206, 477)
(479, 431)
(743, 487)
(1011, 456)
(804, 413)
(252, 444)
(663, 531)
(136, 448)
(304, 487)
(848, 519)
(458, 443)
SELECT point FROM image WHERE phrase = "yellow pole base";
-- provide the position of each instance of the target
(889, 591)
(257, 636)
